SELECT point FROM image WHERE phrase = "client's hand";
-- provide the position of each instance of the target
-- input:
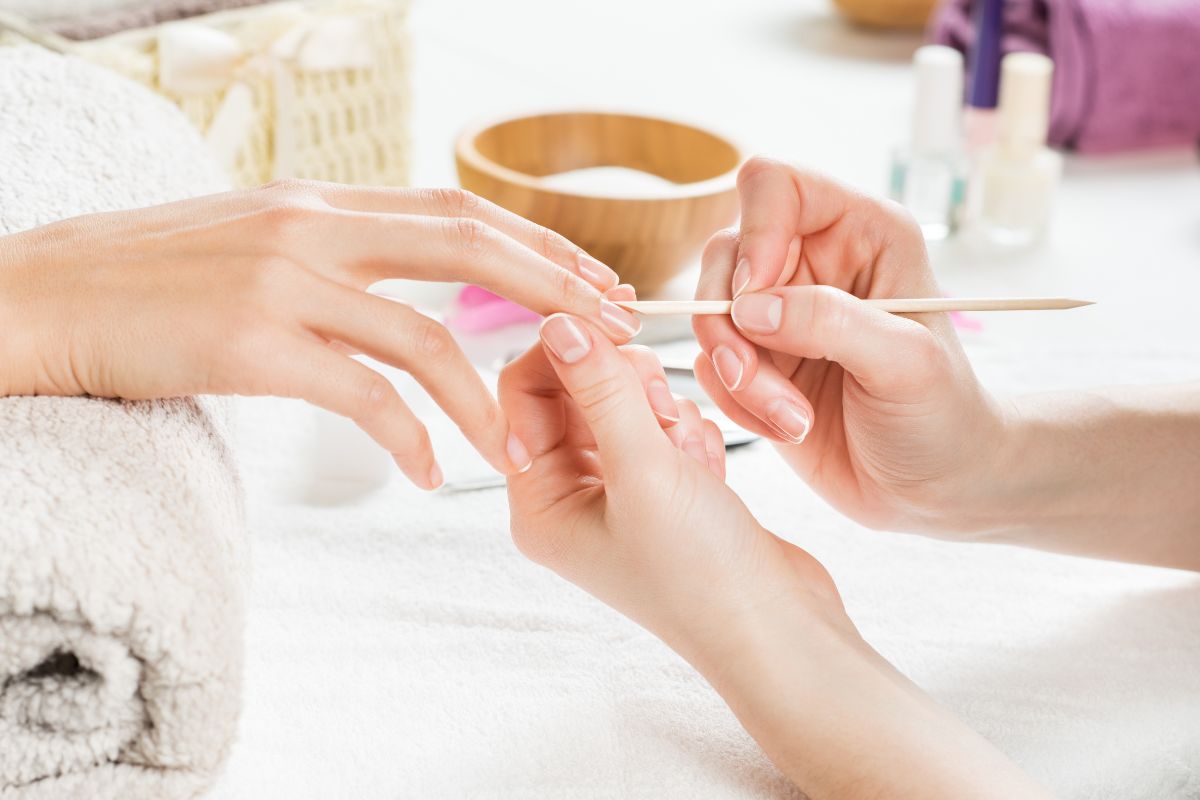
(880, 413)
(262, 292)
(639, 517)
(635, 514)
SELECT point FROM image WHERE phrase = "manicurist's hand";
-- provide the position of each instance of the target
(263, 292)
(880, 413)
(625, 498)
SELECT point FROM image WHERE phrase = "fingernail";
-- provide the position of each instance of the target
(435, 476)
(596, 273)
(789, 420)
(662, 401)
(758, 313)
(741, 277)
(566, 338)
(518, 453)
(694, 447)
(729, 366)
(621, 291)
(620, 323)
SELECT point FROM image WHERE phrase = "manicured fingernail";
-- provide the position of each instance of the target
(789, 420)
(741, 277)
(435, 476)
(621, 291)
(694, 447)
(620, 323)
(758, 313)
(566, 338)
(729, 366)
(595, 273)
(662, 401)
(518, 453)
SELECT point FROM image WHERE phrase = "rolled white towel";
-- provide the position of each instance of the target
(122, 542)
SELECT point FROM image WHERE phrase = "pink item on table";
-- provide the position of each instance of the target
(1127, 72)
(964, 323)
(477, 310)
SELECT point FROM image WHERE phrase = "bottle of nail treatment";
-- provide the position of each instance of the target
(929, 174)
(1020, 174)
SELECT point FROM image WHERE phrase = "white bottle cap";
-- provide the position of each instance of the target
(1025, 102)
(937, 109)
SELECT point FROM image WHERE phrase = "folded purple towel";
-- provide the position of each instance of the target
(1127, 72)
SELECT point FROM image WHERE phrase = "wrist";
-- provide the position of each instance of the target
(791, 597)
(18, 325)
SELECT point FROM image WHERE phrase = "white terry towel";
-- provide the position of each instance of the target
(121, 528)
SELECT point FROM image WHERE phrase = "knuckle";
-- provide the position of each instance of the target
(903, 225)
(827, 321)
(282, 218)
(432, 342)
(756, 166)
(472, 238)
(927, 356)
(374, 397)
(599, 398)
(554, 246)
(454, 202)
(567, 288)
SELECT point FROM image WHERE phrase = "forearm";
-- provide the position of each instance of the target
(841, 722)
(1109, 474)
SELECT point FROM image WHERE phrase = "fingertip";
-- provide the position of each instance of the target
(623, 292)
(620, 323)
(565, 337)
(436, 478)
(518, 454)
(714, 442)
(423, 477)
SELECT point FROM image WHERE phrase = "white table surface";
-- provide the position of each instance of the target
(1054, 658)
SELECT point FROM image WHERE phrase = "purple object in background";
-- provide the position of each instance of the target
(983, 60)
(1127, 72)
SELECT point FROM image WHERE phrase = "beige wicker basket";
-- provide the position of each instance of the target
(308, 89)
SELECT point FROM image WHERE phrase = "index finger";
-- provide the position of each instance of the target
(781, 204)
(450, 202)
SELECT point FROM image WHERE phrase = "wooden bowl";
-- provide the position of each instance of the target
(907, 14)
(648, 238)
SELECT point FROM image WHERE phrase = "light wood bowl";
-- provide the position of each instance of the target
(647, 239)
(908, 14)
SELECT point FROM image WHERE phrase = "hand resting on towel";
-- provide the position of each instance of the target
(625, 498)
(884, 417)
(263, 292)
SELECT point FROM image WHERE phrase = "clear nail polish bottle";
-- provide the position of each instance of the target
(1020, 174)
(929, 174)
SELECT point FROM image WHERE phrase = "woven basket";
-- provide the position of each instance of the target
(314, 89)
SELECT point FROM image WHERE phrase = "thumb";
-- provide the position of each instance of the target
(889, 355)
(603, 384)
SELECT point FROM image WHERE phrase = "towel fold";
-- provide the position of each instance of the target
(1127, 72)
(122, 563)
(150, 12)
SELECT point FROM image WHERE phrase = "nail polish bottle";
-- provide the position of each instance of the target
(983, 78)
(928, 175)
(1020, 175)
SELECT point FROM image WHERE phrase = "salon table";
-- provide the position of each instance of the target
(399, 646)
